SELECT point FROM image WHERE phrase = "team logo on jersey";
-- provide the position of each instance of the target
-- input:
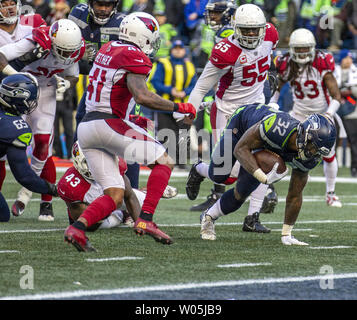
(104, 38)
(150, 24)
(243, 59)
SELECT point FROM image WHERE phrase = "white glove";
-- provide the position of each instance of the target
(62, 84)
(178, 116)
(273, 176)
(90, 53)
(290, 240)
(206, 106)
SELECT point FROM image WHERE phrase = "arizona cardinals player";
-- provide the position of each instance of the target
(13, 27)
(116, 81)
(239, 64)
(315, 90)
(63, 46)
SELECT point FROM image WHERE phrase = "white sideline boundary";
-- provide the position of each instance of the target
(176, 287)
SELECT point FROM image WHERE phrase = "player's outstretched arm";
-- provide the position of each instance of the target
(24, 175)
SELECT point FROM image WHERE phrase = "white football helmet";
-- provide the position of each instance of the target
(141, 29)
(80, 162)
(10, 16)
(249, 16)
(66, 38)
(302, 38)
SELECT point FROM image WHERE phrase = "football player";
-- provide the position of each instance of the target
(18, 96)
(240, 65)
(254, 127)
(315, 89)
(13, 27)
(117, 81)
(62, 46)
(78, 189)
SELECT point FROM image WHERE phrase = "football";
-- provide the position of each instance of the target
(266, 160)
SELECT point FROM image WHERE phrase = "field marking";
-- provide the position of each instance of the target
(172, 287)
(334, 247)
(241, 265)
(279, 230)
(114, 259)
(194, 225)
(9, 251)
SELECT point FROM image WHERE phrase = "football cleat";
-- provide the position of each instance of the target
(142, 227)
(193, 182)
(332, 200)
(17, 208)
(169, 192)
(207, 227)
(270, 200)
(211, 200)
(46, 212)
(290, 240)
(78, 239)
(252, 224)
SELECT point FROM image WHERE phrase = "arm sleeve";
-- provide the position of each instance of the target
(14, 50)
(22, 171)
(209, 77)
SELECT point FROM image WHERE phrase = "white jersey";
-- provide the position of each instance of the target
(310, 94)
(240, 72)
(24, 27)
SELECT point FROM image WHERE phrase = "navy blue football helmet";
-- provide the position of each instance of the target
(315, 137)
(218, 13)
(101, 17)
(19, 93)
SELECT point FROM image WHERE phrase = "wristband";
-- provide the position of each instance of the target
(333, 107)
(8, 70)
(260, 175)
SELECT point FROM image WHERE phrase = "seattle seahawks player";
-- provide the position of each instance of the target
(18, 96)
(254, 127)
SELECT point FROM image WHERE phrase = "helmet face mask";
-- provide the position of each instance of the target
(302, 46)
(102, 10)
(218, 13)
(249, 26)
(10, 11)
(316, 137)
(66, 39)
(142, 30)
(80, 162)
(19, 93)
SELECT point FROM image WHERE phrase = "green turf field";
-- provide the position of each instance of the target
(36, 263)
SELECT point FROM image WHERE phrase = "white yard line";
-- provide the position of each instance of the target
(172, 287)
(114, 259)
(334, 247)
(9, 251)
(240, 265)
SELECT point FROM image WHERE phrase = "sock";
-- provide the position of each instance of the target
(99, 209)
(202, 169)
(79, 225)
(49, 174)
(2, 172)
(4, 209)
(257, 198)
(157, 182)
(215, 211)
(330, 171)
(229, 203)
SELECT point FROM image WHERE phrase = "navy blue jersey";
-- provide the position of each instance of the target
(94, 33)
(275, 130)
(14, 132)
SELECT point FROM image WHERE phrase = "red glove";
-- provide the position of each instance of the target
(41, 36)
(185, 108)
(142, 122)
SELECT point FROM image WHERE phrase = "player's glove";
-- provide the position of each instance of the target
(207, 105)
(185, 108)
(52, 189)
(62, 84)
(273, 82)
(90, 52)
(37, 53)
(273, 176)
(40, 36)
(142, 122)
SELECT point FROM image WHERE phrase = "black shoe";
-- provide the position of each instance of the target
(46, 212)
(193, 182)
(211, 200)
(270, 200)
(252, 224)
(354, 172)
